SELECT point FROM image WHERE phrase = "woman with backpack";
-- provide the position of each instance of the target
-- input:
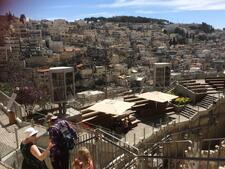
(33, 158)
(63, 136)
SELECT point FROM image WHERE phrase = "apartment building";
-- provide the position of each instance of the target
(161, 75)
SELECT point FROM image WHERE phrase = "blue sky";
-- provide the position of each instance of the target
(179, 11)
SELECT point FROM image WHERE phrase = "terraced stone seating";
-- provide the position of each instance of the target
(106, 120)
(191, 84)
(207, 101)
(217, 82)
(187, 81)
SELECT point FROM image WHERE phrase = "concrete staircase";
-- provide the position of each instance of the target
(217, 82)
(207, 101)
(188, 112)
(171, 87)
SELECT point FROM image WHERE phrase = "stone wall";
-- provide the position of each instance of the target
(181, 90)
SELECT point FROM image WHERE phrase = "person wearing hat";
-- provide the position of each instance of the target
(59, 154)
(33, 158)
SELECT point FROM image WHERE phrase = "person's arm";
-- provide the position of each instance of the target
(36, 153)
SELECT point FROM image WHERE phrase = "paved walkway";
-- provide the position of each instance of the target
(147, 127)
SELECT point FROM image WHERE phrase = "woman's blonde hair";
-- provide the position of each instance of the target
(84, 154)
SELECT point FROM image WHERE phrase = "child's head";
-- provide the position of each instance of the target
(84, 154)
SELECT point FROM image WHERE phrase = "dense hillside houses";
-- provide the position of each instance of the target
(141, 92)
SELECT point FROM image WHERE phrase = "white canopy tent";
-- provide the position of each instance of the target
(113, 107)
(157, 96)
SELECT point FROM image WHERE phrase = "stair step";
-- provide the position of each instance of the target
(187, 109)
(205, 103)
(133, 99)
(169, 109)
(207, 100)
(138, 106)
(85, 107)
(206, 107)
(170, 113)
(185, 115)
(132, 118)
(88, 115)
(86, 111)
(90, 118)
(188, 113)
(141, 102)
(129, 96)
(134, 123)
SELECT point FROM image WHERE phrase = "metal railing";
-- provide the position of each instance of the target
(202, 154)
(107, 150)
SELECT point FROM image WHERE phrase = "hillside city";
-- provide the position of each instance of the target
(140, 92)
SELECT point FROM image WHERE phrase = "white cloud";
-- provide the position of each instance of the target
(155, 12)
(174, 4)
(145, 12)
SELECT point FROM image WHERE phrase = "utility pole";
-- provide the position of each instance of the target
(106, 63)
(106, 75)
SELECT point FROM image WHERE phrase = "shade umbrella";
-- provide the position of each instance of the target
(113, 107)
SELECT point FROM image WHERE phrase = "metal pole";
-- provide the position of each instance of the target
(17, 140)
(17, 146)
(144, 133)
(208, 156)
(219, 153)
(97, 150)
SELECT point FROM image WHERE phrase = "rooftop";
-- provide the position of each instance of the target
(157, 96)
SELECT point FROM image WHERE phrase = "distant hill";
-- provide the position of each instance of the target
(130, 19)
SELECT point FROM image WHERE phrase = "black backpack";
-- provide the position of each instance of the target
(69, 135)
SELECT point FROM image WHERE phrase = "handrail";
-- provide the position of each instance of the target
(182, 158)
(213, 139)
(111, 142)
(118, 140)
(103, 128)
